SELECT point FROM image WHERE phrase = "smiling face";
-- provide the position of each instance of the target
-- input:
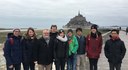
(45, 33)
(70, 34)
(16, 32)
(62, 34)
(93, 30)
(31, 33)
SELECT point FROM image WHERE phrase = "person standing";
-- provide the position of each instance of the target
(45, 50)
(126, 30)
(53, 35)
(29, 44)
(93, 47)
(13, 51)
(53, 31)
(81, 50)
(73, 46)
(61, 50)
(114, 50)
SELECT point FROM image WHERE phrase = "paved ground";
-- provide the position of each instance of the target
(102, 65)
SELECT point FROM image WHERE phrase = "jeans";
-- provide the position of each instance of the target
(115, 66)
(71, 64)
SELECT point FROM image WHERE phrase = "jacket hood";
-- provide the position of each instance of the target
(62, 39)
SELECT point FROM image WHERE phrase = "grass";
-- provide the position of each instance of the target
(3, 35)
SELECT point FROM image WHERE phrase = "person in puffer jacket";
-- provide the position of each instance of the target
(93, 47)
(73, 46)
(115, 50)
(13, 51)
(61, 50)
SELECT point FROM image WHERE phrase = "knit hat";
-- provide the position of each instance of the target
(94, 26)
(16, 29)
(60, 31)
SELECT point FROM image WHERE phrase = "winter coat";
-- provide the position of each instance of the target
(53, 35)
(29, 49)
(60, 49)
(45, 52)
(82, 44)
(13, 50)
(114, 50)
(73, 45)
(93, 45)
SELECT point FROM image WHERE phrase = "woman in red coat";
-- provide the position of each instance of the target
(93, 46)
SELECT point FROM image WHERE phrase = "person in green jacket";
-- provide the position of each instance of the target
(73, 46)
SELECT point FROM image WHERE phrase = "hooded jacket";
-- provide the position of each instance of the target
(61, 48)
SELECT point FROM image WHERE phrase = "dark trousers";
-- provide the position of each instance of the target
(115, 66)
(60, 64)
(93, 63)
(28, 66)
(15, 67)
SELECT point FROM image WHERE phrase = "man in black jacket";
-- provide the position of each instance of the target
(45, 51)
(114, 50)
(53, 31)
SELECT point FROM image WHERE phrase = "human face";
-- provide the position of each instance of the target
(70, 34)
(53, 29)
(93, 30)
(114, 34)
(30, 33)
(79, 33)
(46, 34)
(62, 34)
(16, 33)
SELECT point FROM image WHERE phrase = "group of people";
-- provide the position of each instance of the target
(62, 48)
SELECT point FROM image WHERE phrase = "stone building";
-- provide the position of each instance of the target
(78, 21)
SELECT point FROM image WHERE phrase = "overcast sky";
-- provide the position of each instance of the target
(44, 13)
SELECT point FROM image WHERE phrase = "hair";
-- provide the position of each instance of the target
(27, 34)
(46, 30)
(70, 30)
(79, 29)
(117, 31)
(53, 26)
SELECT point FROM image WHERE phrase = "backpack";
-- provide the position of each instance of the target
(11, 41)
(9, 36)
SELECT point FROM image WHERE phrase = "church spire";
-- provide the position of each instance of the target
(79, 13)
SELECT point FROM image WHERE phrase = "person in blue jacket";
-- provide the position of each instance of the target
(13, 51)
